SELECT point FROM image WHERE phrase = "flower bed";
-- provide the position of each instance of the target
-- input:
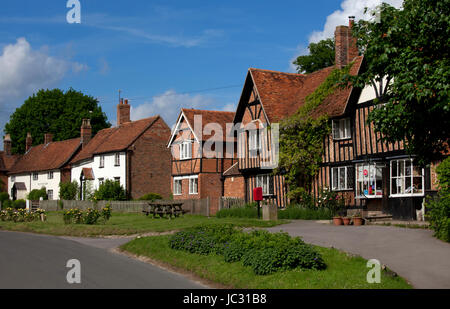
(22, 215)
(90, 216)
(264, 252)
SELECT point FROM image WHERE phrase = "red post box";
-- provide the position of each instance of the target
(257, 194)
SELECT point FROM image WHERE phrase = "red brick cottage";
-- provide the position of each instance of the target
(199, 156)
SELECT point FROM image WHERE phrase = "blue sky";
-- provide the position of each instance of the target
(163, 55)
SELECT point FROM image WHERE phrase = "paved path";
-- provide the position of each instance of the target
(39, 261)
(413, 253)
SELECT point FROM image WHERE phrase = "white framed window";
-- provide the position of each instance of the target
(117, 179)
(369, 180)
(102, 162)
(13, 178)
(117, 159)
(342, 178)
(266, 183)
(254, 142)
(50, 175)
(193, 185)
(185, 150)
(341, 128)
(101, 181)
(177, 186)
(406, 179)
(50, 194)
(35, 176)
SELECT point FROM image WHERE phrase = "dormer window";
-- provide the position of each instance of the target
(341, 129)
(185, 150)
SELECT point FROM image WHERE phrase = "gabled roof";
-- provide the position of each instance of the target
(208, 116)
(115, 139)
(282, 94)
(6, 162)
(46, 157)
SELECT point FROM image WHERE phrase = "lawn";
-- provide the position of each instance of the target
(343, 271)
(124, 224)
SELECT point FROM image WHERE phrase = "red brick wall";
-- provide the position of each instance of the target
(4, 183)
(234, 186)
(149, 162)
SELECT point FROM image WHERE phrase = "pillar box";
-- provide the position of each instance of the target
(257, 194)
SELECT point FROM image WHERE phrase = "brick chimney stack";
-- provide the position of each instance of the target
(86, 132)
(123, 112)
(7, 144)
(48, 138)
(28, 142)
(345, 49)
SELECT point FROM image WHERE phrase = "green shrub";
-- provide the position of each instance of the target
(36, 194)
(4, 196)
(299, 212)
(241, 212)
(7, 204)
(19, 204)
(439, 207)
(68, 190)
(110, 190)
(264, 252)
(90, 216)
(151, 197)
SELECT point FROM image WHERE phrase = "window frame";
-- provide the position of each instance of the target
(50, 175)
(185, 155)
(175, 181)
(102, 162)
(371, 170)
(117, 159)
(254, 140)
(404, 177)
(343, 126)
(346, 186)
(13, 178)
(35, 176)
(101, 181)
(50, 194)
(117, 179)
(265, 181)
(191, 191)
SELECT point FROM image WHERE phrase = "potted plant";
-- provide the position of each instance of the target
(357, 219)
(346, 220)
(337, 220)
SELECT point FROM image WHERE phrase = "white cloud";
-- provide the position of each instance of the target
(299, 51)
(340, 17)
(168, 106)
(24, 71)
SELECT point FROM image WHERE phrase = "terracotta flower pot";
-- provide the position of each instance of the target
(358, 221)
(346, 220)
(337, 221)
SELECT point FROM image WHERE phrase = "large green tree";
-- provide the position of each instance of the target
(54, 111)
(321, 55)
(409, 48)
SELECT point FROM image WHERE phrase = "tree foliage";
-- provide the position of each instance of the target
(410, 48)
(68, 190)
(321, 55)
(56, 112)
(110, 190)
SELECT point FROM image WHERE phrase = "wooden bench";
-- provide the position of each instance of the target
(163, 209)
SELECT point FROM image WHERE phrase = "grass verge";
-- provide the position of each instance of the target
(125, 224)
(343, 271)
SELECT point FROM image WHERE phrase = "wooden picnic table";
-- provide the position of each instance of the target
(164, 209)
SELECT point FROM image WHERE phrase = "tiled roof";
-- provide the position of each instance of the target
(88, 173)
(6, 162)
(282, 94)
(219, 117)
(46, 157)
(115, 139)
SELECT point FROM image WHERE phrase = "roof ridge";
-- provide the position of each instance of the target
(206, 110)
(277, 72)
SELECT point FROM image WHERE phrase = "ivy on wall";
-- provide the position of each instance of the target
(302, 136)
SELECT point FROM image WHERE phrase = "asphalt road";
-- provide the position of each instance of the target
(39, 261)
(414, 254)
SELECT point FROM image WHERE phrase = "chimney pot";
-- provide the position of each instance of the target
(28, 142)
(48, 138)
(86, 132)
(123, 113)
(7, 144)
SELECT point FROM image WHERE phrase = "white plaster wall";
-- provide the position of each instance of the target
(109, 171)
(368, 93)
(42, 181)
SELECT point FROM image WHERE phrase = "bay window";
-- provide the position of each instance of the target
(369, 180)
(406, 179)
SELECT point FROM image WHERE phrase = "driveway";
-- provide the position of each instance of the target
(39, 261)
(412, 253)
